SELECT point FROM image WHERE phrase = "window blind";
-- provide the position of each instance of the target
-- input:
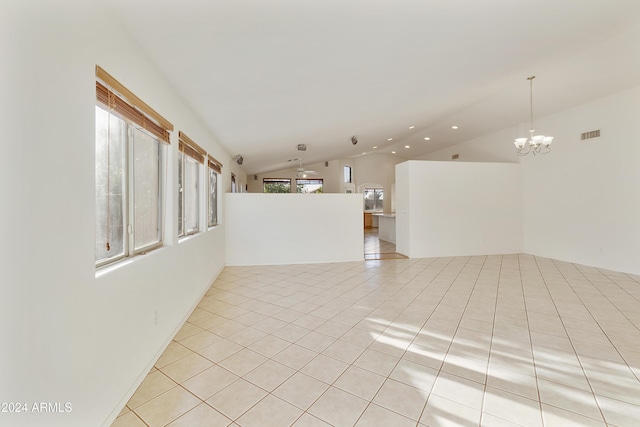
(187, 146)
(214, 164)
(115, 104)
(125, 103)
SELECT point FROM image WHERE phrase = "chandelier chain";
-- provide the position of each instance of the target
(531, 129)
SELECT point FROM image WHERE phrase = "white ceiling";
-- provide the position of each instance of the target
(268, 75)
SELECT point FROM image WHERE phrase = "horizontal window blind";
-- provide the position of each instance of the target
(114, 104)
(187, 146)
(286, 181)
(119, 89)
(214, 164)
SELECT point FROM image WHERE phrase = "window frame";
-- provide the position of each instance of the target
(190, 154)
(309, 179)
(234, 183)
(212, 170)
(286, 181)
(129, 198)
(161, 199)
(364, 199)
(119, 102)
(344, 174)
(183, 201)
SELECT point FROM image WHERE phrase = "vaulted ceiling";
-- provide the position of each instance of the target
(266, 75)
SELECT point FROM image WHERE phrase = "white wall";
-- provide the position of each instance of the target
(403, 207)
(497, 147)
(331, 176)
(241, 178)
(370, 171)
(456, 208)
(582, 200)
(377, 169)
(67, 335)
(293, 228)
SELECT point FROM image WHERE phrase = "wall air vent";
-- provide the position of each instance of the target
(589, 135)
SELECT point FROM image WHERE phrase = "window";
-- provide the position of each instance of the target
(347, 174)
(214, 169)
(188, 200)
(309, 185)
(276, 185)
(111, 186)
(189, 187)
(128, 172)
(373, 199)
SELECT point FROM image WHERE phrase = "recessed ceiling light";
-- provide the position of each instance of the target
(375, 146)
(393, 152)
(389, 139)
(454, 127)
(426, 138)
(411, 127)
(407, 146)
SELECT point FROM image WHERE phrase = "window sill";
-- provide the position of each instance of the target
(188, 237)
(109, 268)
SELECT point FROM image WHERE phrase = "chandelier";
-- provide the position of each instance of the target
(536, 143)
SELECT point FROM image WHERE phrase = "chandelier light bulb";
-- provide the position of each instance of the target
(519, 142)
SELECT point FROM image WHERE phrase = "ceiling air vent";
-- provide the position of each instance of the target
(302, 147)
(589, 135)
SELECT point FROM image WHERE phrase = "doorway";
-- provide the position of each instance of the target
(376, 249)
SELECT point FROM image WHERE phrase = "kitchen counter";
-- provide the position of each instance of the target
(386, 226)
(388, 215)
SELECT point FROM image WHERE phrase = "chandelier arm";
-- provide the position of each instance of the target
(523, 152)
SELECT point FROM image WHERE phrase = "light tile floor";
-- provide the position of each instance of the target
(463, 341)
(374, 248)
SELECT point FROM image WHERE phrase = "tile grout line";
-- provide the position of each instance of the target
(493, 325)
(392, 291)
(589, 380)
